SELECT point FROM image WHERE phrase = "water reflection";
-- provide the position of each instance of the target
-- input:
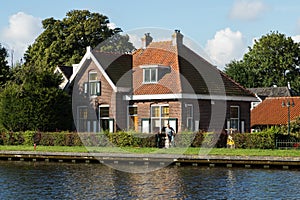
(27, 180)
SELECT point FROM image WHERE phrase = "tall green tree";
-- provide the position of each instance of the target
(4, 68)
(64, 42)
(33, 101)
(274, 59)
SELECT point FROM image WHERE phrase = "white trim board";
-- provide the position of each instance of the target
(189, 96)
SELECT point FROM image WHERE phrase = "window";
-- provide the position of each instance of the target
(234, 118)
(93, 86)
(104, 117)
(82, 119)
(159, 117)
(132, 118)
(150, 75)
(189, 116)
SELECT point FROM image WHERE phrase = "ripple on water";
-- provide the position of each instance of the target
(28, 180)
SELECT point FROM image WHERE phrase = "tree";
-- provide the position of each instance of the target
(273, 60)
(33, 101)
(4, 68)
(117, 44)
(64, 42)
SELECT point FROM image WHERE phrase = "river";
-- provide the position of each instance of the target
(42, 180)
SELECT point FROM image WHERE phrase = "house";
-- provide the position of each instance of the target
(66, 73)
(162, 82)
(275, 111)
(263, 92)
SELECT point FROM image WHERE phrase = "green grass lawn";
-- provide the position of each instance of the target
(176, 150)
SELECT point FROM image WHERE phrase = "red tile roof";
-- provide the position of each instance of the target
(185, 76)
(271, 112)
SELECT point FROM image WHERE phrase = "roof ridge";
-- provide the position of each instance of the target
(290, 97)
(111, 53)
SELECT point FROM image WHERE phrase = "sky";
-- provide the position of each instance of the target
(224, 29)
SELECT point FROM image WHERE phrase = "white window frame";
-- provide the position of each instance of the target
(190, 127)
(238, 119)
(160, 118)
(152, 69)
(79, 119)
(96, 84)
(103, 106)
(128, 115)
(99, 111)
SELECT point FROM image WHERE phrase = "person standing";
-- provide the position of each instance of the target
(170, 133)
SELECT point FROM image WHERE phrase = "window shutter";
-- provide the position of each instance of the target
(85, 85)
(98, 88)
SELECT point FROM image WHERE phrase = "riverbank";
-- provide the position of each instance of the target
(177, 150)
(278, 162)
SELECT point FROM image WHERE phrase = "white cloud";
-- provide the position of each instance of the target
(21, 32)
(247, 9)
(226, 46)
(296, 38)
(112, 25)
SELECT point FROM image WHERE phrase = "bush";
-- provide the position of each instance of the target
(29, 137)
(257, 140)
(260, 140)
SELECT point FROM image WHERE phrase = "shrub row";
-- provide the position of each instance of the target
(260, 140)
(121, 139)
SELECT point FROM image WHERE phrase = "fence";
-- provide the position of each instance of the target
(287, 144)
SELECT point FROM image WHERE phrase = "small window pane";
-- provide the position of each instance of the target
(147, 75)
(83, 113)
(132, 110)
(234, 112)
(165, 111)
(189, 111)
(234, 124)
(153, 75)
(155, 111)
(93, 88)
(104, 112)
(92, 76)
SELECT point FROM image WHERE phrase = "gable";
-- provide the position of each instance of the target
(116, 66)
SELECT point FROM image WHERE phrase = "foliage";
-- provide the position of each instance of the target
(295, 125)
(33, 101)
(64, 42)
(117, 44)
(4, 68)
(273, 60)
(257, 140)
(104, 139)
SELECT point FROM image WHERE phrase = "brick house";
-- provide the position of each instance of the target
(162, 82)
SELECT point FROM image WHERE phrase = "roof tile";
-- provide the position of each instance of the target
(271, 111)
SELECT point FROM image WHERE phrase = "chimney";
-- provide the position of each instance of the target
(177, 38)
(146, 40)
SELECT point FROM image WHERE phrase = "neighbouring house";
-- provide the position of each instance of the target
(162, 82)
(66, 73)
(263, 92)
(275, 111)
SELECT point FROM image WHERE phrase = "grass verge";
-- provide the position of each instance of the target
(187, 151)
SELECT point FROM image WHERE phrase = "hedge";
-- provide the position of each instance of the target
(260, 140)
(121, 139)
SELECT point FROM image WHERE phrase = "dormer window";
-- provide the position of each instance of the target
(150, 75)
(153, 73)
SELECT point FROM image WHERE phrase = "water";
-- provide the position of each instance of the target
(40, 180)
